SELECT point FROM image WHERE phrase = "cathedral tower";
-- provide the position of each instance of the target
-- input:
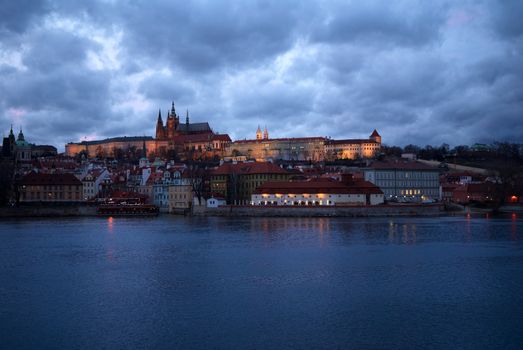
(259, 134)
(265, 133)
(160, 131)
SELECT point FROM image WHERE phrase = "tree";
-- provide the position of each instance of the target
(6, 180)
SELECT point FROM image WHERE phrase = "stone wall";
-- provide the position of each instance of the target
(349, 211)
(47, 211)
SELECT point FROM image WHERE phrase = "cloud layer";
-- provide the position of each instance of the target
(420, 72)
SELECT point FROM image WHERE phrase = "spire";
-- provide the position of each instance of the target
(265, 133)
(187, 117)
(160, 117)
(11, 131)
(258, 133)
(173, 111)
(21, 135)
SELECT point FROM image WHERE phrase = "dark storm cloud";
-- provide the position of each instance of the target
(420, 72)
(15, 16)
(382, 23)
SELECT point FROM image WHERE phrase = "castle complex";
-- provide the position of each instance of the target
(197, 140)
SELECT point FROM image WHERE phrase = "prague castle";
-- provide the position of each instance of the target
(198, 141)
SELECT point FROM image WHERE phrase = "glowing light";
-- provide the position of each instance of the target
(110, 224)
(514, 199)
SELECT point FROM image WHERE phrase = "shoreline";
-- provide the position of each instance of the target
(82, 210)
(386, 210)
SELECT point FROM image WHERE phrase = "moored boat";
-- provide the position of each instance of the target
(127, 210)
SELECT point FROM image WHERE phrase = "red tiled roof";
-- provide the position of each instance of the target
(49, 179)
(221, 137)
(202, 137)
(312, 139)
(401, 165)
(249, 168)
(321, 185)
(350, 141)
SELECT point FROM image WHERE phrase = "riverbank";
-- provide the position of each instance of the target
(253, 211)
(326, 211)
(48, 211)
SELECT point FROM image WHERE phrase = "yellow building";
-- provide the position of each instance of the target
(180, 198)
(353, 148)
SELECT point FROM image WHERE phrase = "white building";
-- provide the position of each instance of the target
(317, 192)
(405, 180)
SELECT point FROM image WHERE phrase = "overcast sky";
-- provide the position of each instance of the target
(423, 72)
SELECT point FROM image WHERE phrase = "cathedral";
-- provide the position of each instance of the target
(173, 127)
(195, 140)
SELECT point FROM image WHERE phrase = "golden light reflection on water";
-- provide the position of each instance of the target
(110, 224)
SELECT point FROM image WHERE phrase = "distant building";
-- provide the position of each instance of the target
(215, 202)
(475, 192)
(38, 187)
(353, 148)
(8, 145)
(23, 151)
(404, 179)
(315, 149)
(317, 192)
(296, 148)
(237, 181)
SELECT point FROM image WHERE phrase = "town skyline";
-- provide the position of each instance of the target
(444, 72)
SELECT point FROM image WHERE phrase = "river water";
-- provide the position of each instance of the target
(262, 283)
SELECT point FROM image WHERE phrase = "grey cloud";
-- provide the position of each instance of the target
(16, 16)
(321, 68)
(384, 24)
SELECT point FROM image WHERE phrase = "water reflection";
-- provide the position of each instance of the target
(110, 224)
(514, 227)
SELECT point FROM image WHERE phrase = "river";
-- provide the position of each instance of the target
(262, 283)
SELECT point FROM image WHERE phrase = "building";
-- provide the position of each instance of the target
(8, 145)
(237, 181)
(181, 196)
(173, 127)
(91, 183)
(318, 192)
(23, 151)
(405, 180)
(314, 149)
(215, 202)
(475, 192)
(288, 149)
(353, 148)
(39, 187)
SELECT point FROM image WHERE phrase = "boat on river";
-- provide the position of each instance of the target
(125, 209)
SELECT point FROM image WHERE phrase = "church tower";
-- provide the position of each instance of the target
(265, 133)
(160, 131)
(259, 134)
